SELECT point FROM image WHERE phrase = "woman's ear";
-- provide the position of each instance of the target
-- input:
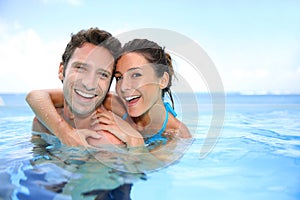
(61, 72)
(164, 80)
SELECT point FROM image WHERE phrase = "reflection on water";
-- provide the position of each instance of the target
(59, 171)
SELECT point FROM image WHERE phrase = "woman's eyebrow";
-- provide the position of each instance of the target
(131, 69)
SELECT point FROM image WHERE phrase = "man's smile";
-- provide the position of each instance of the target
(85, 94)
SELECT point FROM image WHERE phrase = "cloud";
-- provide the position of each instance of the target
(267, 66)
(28, 62)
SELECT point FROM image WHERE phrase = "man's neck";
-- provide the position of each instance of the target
(76, 121)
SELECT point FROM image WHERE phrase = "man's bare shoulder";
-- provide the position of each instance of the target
(37, 126)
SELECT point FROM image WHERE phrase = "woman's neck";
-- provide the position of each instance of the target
(152, 121)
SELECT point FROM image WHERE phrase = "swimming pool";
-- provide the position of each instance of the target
(257, 156)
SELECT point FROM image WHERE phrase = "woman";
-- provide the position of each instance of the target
(143, 77)
(139, 116)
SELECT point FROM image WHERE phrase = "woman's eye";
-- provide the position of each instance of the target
(135, 75)
(118, 78)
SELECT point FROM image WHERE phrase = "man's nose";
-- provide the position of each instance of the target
(90, 81)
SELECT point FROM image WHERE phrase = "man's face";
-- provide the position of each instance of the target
(87, 78)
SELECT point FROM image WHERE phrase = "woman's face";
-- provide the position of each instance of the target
(137, 84)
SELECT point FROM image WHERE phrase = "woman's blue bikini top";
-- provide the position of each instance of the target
(158, 136)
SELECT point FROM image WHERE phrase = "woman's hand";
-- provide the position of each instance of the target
(79, 137)
(106, 138)
(107, 121)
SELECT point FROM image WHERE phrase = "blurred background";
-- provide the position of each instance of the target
(254, 45)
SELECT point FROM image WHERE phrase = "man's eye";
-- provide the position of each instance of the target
(79, 67)
(104, 75)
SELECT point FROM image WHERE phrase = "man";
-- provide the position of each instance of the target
(86, 72)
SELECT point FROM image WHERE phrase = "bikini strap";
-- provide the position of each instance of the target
(125, 116)
(170, 109)
(157, 136)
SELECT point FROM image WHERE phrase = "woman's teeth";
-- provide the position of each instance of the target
(131, 98)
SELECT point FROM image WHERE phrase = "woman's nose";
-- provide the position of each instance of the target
(125, 84)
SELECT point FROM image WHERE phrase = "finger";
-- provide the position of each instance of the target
(85, 133)
(100, 121)
(98, 112)
(95, 135)
(106, 121)
(96, 115)
(112, 130)
(105, 113)
(83, 142)
(101, 108)
(102, 114)
(96, 127)
(94, 122)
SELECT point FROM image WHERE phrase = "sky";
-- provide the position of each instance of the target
(254, 45)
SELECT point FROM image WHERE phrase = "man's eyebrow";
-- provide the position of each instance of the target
(131, 69)
(87, 65)
(79, 63)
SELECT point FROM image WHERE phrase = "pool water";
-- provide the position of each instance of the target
(257, 156)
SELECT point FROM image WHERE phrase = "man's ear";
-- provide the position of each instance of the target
(61, 72)
(164, 80)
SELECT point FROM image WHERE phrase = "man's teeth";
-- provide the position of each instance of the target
(131, 98)
(86, 95)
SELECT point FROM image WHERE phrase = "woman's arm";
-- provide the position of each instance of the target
(108, 121)
(138, 156)
(44, 104)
